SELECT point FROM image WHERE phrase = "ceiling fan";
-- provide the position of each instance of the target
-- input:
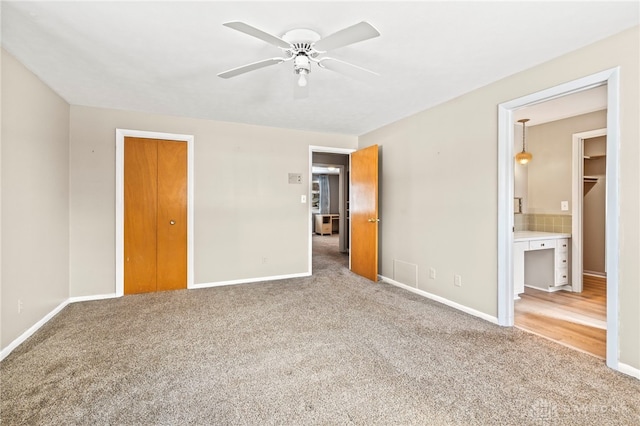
(303, 46)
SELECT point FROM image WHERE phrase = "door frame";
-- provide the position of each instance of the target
(329, 150)
(611, 78)
(121, 134)
(577, 195)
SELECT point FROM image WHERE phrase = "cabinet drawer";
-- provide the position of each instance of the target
(562, 259)
(562, 276)
(562, 245)
(542, 244)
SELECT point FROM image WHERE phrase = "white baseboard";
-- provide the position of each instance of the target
(250, 280)
(90, 298)
(24, 336)
(629, 370)
(442, 300)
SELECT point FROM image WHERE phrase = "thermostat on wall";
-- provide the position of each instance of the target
(295, 178)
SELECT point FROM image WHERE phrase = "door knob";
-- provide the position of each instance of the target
(172, 222)
(373, 220)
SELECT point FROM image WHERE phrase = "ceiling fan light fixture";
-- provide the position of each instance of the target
(302, 68)
(523, 157)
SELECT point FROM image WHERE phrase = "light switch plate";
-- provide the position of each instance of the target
(564, 206)
(303, 199)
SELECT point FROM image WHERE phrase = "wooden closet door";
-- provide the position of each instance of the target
(155, 215)
(140, 214)
(172, 215)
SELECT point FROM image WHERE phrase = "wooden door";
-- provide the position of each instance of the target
(155, 216)
(363, 206)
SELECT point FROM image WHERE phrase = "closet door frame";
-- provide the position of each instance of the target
(121, 134)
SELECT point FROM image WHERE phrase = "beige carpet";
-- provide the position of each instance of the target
(328, 349)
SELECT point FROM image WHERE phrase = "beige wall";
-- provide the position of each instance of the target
(245, 209)
(549, 173)
(35, 197)
(593, 209)
(438, 206)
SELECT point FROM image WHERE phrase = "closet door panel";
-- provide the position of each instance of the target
(172, 215)
(140, 215)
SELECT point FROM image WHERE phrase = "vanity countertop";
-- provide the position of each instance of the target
(537, 235)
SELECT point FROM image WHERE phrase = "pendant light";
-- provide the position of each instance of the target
(523, 157)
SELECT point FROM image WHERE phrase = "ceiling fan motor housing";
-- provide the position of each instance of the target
(301, 50)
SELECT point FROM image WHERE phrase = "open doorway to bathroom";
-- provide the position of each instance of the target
(560, 283)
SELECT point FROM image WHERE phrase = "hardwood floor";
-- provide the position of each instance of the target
(577, 320)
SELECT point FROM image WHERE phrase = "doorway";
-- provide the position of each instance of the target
(360, 214)
(506, 195)
(121, 134)
(329, 205)
(548, 234)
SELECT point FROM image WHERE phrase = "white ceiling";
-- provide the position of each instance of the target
(163, 57)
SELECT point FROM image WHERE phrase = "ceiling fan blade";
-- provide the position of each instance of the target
(348, 69)
(254, 32)
(353, 34)
(250, 67)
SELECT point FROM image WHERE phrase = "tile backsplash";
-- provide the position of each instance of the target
(543, 222)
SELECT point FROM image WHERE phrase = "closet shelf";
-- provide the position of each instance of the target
(594, 157)
(590, 178)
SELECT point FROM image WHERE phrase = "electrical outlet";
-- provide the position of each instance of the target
(564, 206)
(303, 199)
(457, 280)
(264, 260)
(432, 273)
(20, 306)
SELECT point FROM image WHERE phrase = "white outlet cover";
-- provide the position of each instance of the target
(564, 206)
(303, 199)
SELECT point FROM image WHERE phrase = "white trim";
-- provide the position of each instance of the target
(330, 150)
(612, 215)
(24, 336)
(250, 280)
(577, 197)
(442, 300)
(189, 139)
(505, 196)
(92, 298)
(629, 370)
(505, 215)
